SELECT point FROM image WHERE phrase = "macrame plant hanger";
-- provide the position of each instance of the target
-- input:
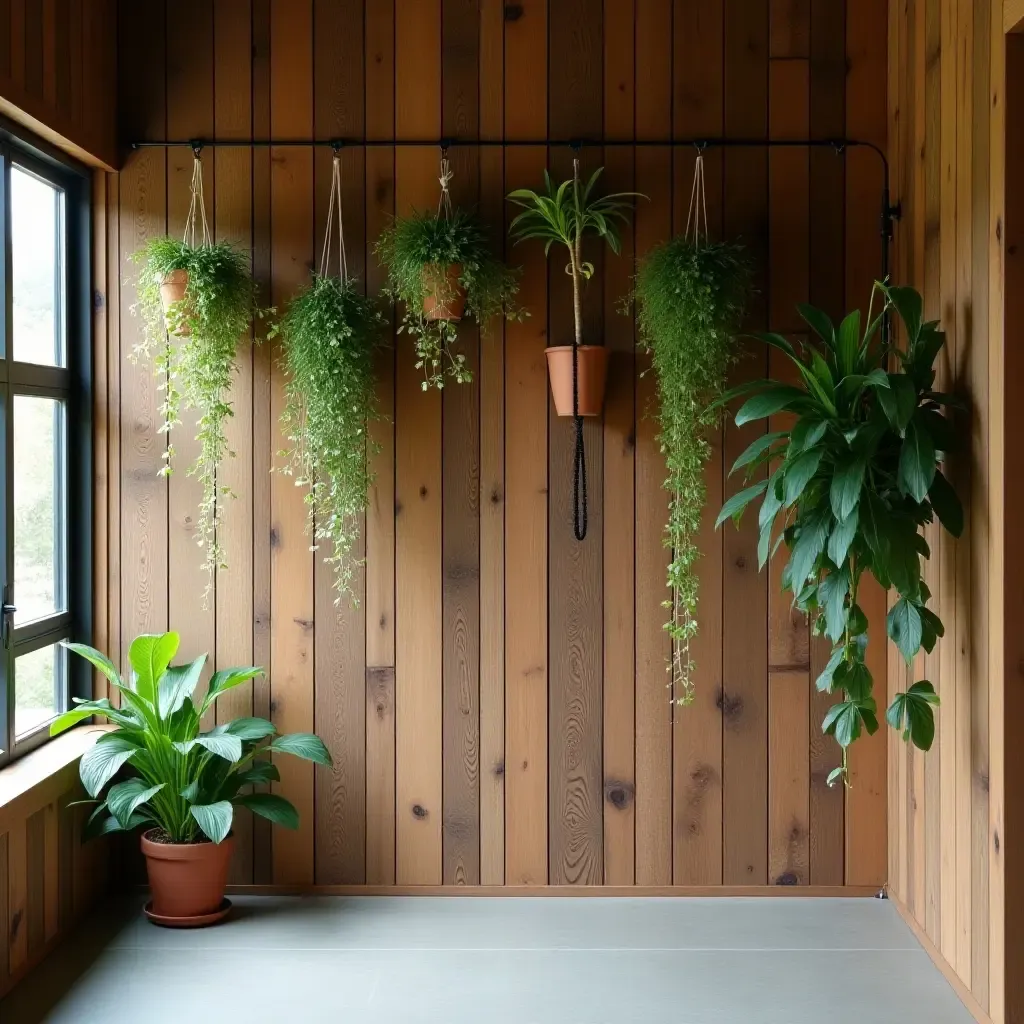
(444, 202)
(579, 464)
(334, 205)
(197, 208)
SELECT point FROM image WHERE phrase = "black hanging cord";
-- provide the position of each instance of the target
(579, 467)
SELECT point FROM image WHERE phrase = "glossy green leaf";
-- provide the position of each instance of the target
(227, 679)
(224, 745)
(760, 444)
(272, 807)
(848, 343)
(214, 819)
(304, 745)
(903, 624)
(819, 323)
(177, 683)
(739, 501)
(95, 658)
(917, 462)
(774, 399)
(149, 655)
(808, 546)
(832, 593)
(946, 503)
(898, 401)
(125, 798)
(847, 482)
(247, 729)
(798, 473)
(101, 762)
(841, 538)
(910, 307)
(824, 680)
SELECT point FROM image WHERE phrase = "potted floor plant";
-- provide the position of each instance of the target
(850, 485)
(203, 296)
(158, 771)
(564, 215)
(690, 296)
(329, 335)
(441, 268)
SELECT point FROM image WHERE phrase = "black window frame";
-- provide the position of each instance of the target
(72, 384)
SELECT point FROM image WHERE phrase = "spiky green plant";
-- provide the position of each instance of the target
(198, 364)
(412, 250)
(329, 335)
(690, 301)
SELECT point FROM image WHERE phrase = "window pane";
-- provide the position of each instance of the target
(36, 268)
(39, 688)
(38, 508)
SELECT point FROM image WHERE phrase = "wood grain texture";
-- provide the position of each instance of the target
(745, 599)
(339, 676)
(418, 541)
(17, 897)
(291, 563)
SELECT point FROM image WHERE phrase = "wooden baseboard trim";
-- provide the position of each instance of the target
(710, 891)
(964, 994)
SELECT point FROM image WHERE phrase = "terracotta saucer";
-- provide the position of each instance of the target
(199, 921)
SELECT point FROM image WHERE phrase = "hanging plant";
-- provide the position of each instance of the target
(690, 297)
(202, 293)
(328, 338)
(855, 478)
(440, 267)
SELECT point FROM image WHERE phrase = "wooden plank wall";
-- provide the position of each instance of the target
(950, 840)
(48, 877)
(58, 73)
(497, 706)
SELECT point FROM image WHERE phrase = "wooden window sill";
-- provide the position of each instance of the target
(40, 777)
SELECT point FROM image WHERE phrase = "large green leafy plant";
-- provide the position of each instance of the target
(199, 365)
(690, 298)
(564, 215)
(182, 781)
(415, 250)
(329, 335)
(852, 482)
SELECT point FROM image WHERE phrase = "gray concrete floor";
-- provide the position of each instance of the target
(472, 960)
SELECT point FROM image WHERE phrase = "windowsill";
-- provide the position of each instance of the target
(41, 776)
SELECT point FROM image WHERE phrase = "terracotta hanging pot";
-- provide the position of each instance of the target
(593, 372)
(172, 290)
(445, 297)
(187, 881)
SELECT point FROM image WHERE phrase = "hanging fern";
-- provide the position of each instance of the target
(690, 302)
(198, 365)
(328, 338)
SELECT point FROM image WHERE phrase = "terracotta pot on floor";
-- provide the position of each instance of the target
(187, 880)
(593, 371)
(444, 280)
(172, 290)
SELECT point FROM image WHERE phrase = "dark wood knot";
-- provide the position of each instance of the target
(419, 811)
(787, 878)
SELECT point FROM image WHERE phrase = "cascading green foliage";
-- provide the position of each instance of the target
(413, 249)
(329, 335)
(182, 781)
(690, 301)
(853, 479)
(197, 367)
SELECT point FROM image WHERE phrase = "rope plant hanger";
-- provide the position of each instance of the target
(334, 203)
(579, 464)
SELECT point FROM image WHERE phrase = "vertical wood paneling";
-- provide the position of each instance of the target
(526, 477)
(460, 756)
(340, 643)
(418, 638)
(619, 471)
(575, 626)
(698, 106)
(744, 665)
(232, 220)
(380, 514)
(291, 566)
(17, 896)
(492, 470)
(5, 929)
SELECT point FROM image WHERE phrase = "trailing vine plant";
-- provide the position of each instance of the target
(435, 258)
(197, 368)
(690, 297)
(853, 480)
(328, 337)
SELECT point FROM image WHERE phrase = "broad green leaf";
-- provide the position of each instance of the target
(125, 798)
(106, 823)
(250, 728)
(214, 819)
(824, 681)
(806, 433)
(832, 591)
(819, 323)
(946, 503)
(898, 401)
(87, 709)
(272, 807)
(304, 745)
(842, 537)
(149, 655)
(834, 776)
(777, 398)
(903, 624)
(931, 628)
(848, 343)
(772, 499)
(227, 679)
(225, 746)
(739, 501)
(912, 713)
(764, 541)
(910, 307)
(760, 444)
(261, 773)
(95, 658)
(917, 462)
(857, 682)
(808, 546)
(101, 762)
(847, 481)
(177, 683)
(798, 473)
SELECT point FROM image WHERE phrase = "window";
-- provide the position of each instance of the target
(45, 438)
